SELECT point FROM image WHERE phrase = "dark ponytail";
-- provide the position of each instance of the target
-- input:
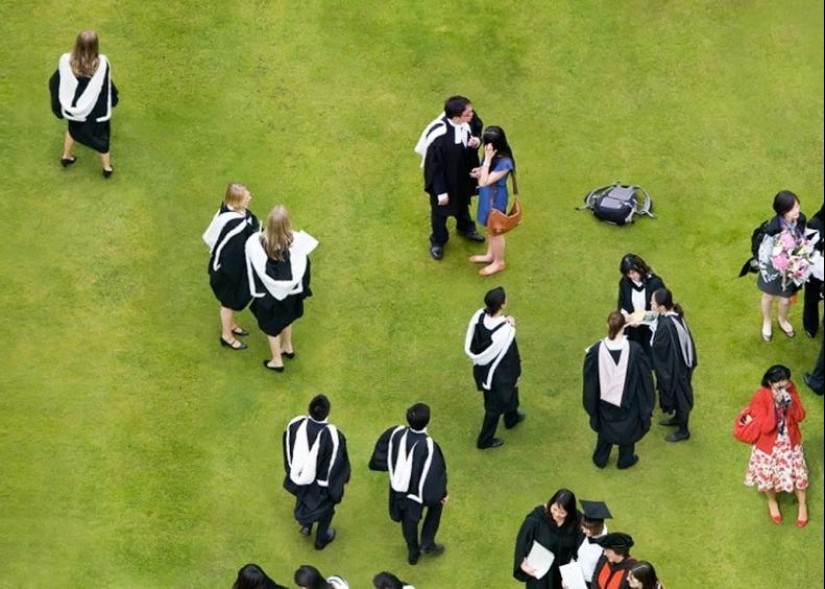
(494, 300)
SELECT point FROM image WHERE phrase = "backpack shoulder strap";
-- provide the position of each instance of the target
(644, 209)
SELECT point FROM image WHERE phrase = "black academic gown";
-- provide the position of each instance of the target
(91, 132)
(562, 542)
(273, 315)
(447, 167)
(673, 375)
(427, 485)
(317, 499)
(503, 394)
(230, 282)
(640, 333)
(629, 422)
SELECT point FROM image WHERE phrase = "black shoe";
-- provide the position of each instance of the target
(412, 558)
(809, 380)
(433, 549)
(108, 173)
(275, 368)
(437, 252)
(521, 417)
(810, 334)
(289, 355)
(494, 443)
(474, 236)
(239, 332)
(669, 421)
(328, 540)
(67, 161)
(677, 436)
(237, 348)
(306, 530)
(633, 461)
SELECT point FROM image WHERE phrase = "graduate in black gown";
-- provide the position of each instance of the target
(674, 360)
(278, 267)
(82, 92)
(226, 237)
(617, 393)
(450, 151)
(418, 480)
(490, 343)
(556, 527)
(317, 468)
(637, 285)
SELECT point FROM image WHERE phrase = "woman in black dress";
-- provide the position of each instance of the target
(226, 237)
(490, 343)
(637, 284)
(279, 276)
(556, 527)
(83, 93)
(788, 218)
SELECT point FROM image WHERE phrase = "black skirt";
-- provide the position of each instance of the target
(91, 134)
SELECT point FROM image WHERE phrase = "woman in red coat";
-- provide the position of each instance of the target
(777, 462)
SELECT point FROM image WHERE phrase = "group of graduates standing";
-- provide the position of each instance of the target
(648, 335)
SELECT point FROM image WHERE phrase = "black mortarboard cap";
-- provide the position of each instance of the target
(595, 510)
(615, 540)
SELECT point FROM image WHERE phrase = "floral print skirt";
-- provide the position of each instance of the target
(784, 469)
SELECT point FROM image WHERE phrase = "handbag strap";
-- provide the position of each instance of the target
(513, 177)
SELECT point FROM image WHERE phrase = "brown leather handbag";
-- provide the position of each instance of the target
(499, 223)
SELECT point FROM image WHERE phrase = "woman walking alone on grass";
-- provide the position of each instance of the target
(492, 194)
(226, 237)
(82, 92)
(777, 462)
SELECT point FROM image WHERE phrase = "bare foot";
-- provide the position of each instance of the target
(802, 514)
(492, 269)
(480, 259)
(773, 508)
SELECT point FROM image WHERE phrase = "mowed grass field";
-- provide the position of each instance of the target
(136, 452)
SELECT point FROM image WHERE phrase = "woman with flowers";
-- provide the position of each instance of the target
(783, 264)
(777, 462)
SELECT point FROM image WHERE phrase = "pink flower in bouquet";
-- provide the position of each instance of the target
(781, 263)
(787, 239)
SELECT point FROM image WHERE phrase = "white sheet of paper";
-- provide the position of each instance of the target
(540, 559)
(572, 576)
(304, 242)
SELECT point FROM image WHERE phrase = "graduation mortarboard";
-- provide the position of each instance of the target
(595, 510)
(615, 540)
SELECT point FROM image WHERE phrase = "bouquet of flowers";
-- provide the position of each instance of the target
(787, 257)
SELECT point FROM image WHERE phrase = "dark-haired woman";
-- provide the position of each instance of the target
(636, 286)
(674, 359)
(788, 218)
(308, 577)
(279, 276)
(490, 343)
(82, 92)
(251, 576)
(492, 194)
(642, 575)
(777, 462)
(226, 237)
(555, 526)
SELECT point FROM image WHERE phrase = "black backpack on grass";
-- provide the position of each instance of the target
(617, 203)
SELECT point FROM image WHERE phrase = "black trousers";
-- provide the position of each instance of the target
(323, 528)
(810, 309)
(463, 223)
(411, 513)
(818, 375)
(490, 424)
(602, 453)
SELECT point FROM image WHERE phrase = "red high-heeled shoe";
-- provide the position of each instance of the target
(801, 523)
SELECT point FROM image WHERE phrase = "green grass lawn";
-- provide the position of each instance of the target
(136, 452)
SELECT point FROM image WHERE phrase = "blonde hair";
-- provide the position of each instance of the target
(84, 60)
(277, 235)
(235, 193)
